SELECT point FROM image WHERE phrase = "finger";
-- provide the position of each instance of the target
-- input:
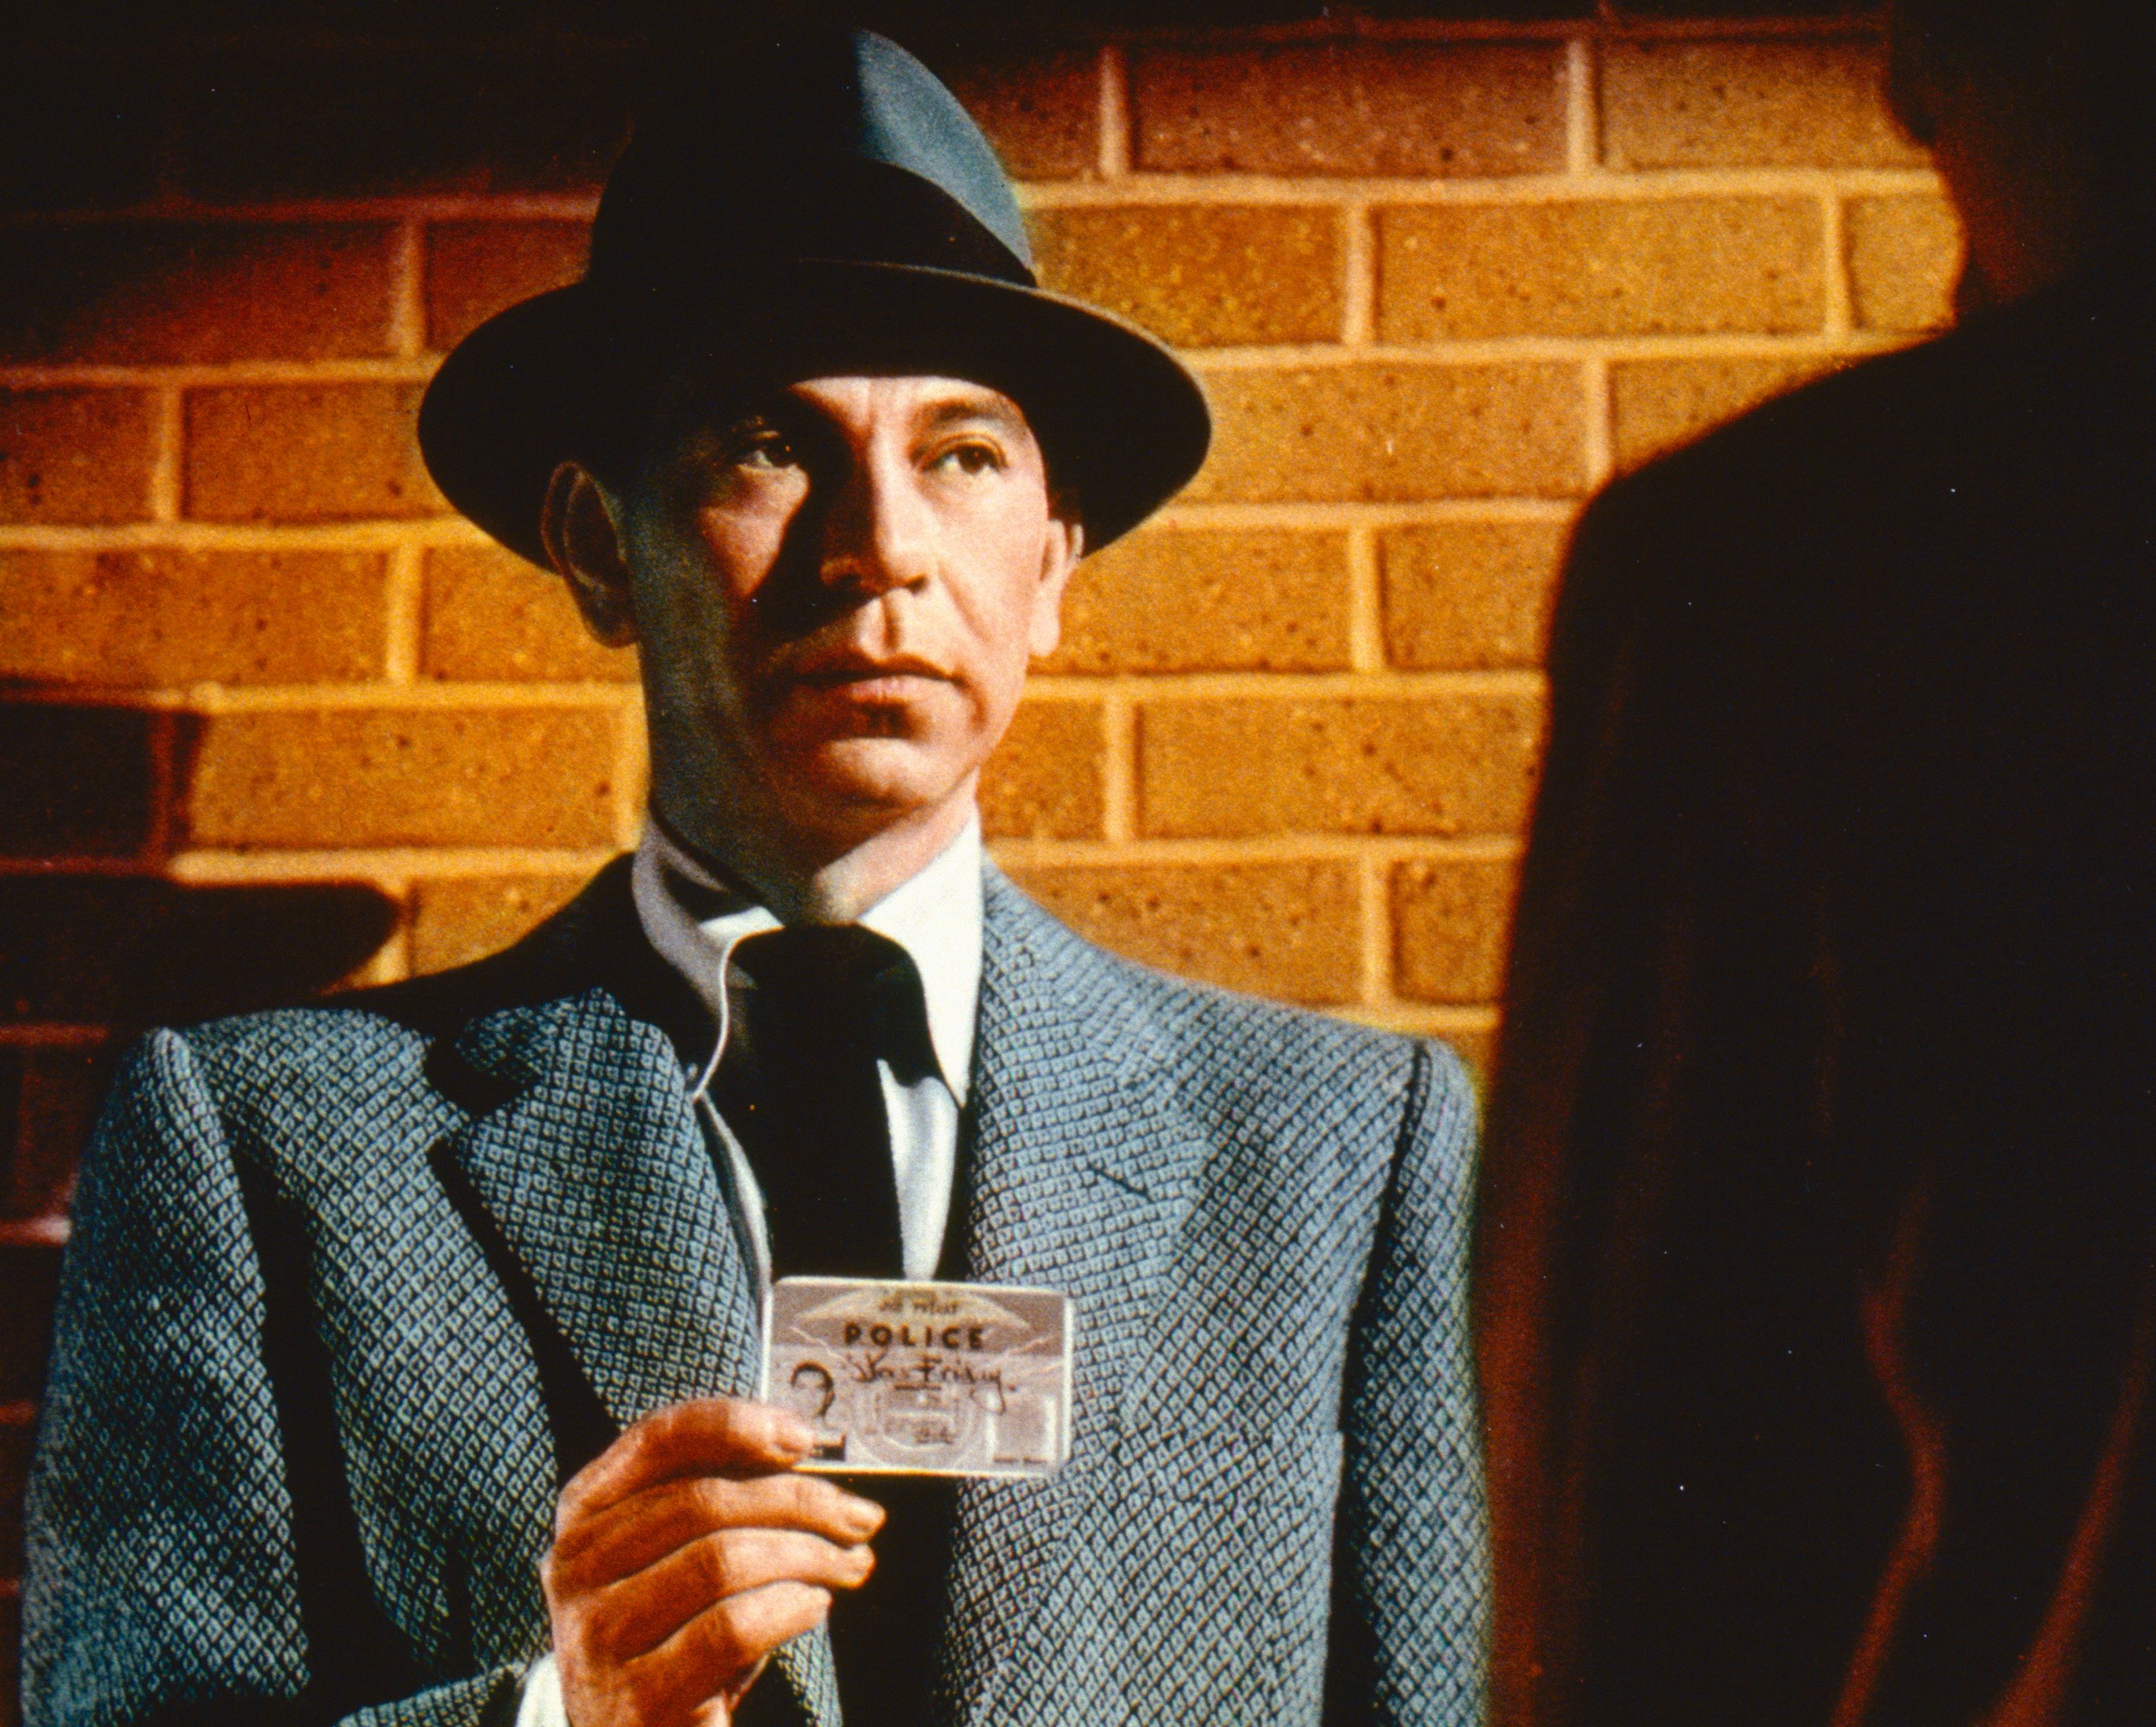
(719, 1646)
(714, 1435)
(634, 1616)
(644, 1528)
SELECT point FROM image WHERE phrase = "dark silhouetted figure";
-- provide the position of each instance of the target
(1818, 1211)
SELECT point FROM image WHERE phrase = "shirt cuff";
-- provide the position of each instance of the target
(541, 1705)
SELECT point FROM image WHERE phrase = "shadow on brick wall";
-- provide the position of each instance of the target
(94, 947)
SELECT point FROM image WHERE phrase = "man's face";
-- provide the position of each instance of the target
(836, 593)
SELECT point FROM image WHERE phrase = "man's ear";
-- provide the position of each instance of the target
(1061, 548)
(582, 536)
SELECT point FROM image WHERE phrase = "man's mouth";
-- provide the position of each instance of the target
(869, 677)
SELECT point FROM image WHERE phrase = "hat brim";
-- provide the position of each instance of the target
(1124, 425)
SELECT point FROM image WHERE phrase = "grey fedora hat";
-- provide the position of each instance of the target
(816, 205)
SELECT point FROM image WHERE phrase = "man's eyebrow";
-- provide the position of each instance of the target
(949, 409)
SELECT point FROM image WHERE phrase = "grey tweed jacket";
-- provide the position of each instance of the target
(352, 1286)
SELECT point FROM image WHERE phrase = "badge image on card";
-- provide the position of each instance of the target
(922, 1379)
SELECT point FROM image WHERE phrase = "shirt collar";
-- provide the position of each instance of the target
(693, 920)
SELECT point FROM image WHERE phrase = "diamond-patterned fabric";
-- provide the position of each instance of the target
(334, 1266)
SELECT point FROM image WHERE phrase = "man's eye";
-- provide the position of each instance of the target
(972, 458)
(765, 451)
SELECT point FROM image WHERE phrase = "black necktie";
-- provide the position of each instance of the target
(807, 1103)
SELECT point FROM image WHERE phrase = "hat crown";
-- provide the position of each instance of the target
(823, 144)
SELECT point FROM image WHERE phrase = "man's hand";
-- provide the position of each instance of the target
(684, 1554)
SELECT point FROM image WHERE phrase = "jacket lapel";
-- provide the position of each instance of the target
(598, 1176)
(592, 1165)
(1082, 1168)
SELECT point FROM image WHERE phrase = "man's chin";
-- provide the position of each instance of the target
(864, 784)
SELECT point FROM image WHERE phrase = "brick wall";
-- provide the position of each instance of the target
(272, 718)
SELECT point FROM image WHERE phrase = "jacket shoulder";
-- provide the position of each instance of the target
(1242, 1062)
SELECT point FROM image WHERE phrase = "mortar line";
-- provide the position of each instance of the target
(53, 1035)
(1526, 349)
(1332, 517)
(162, 741)
(1293, 686)
(1119, 786)
(1432, 1019)
(1384, 850)
(1598, 411)
(1560, 186)
(215, 865)
(1114, 159)
(381, 534)
(1366, 627)
(1358, 265)
(402, 600)
(223, 699)
(1582, 109)
(1834, 247)
(198, 374)
(166, 483)
(407, 290)
(1376, 956)
(392, 962)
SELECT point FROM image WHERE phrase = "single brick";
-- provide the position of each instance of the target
(1360, 108)
(1469, 595)
(75, 782)
(456, 920)
(164, 617)
(29, 1274)
(57, 1094)
(1451, 919)
(1706, 105)
(1045, 779)
(11, 1644)
(1657, 404)
(16, 1440)
(75, 455)
(417, 776)
(489, 615)
(1425, 764)
(1393, 433)
(325, 452)
(1205, 599)
(1600, 267)
(79, 132)
(197, 293)
(349, 121)
(10, 1666)
(1286, 930)
(129, 951)
(1905, 257)
(1201, 275)
(475, 268)
(1040, 110)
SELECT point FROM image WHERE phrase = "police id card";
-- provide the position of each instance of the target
(922, 1379)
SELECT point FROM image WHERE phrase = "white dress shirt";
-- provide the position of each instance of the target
(935, 916)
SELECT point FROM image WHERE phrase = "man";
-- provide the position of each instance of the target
(1815, 1239)
(379, 1316)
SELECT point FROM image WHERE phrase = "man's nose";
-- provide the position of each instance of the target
(877, 536)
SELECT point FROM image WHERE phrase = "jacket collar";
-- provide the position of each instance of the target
(588, 1156)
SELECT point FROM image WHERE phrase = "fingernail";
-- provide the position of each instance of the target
(866, 1516)
(793, 1434)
